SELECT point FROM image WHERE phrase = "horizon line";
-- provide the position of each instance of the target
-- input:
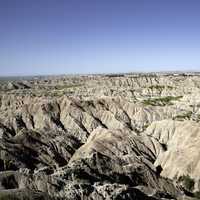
(102, 73)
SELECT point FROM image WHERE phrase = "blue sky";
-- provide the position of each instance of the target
(98, 36)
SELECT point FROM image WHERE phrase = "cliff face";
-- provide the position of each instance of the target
(100, 137)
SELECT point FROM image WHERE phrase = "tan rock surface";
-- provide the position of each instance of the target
(127, 136)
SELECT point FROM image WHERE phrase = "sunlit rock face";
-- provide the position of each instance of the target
(126, 136)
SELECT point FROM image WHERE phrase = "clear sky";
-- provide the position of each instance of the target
(98, 36)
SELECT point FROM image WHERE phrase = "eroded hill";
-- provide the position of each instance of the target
(100, 137)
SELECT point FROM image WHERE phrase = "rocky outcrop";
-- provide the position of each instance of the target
(181, 140)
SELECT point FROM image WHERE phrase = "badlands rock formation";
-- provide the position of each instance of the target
(126, 136)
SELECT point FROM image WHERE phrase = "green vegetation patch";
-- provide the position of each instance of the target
(61, 87)
(160, 87)
(163, 101)
(185, 116)
(197, 194)
(187, 182)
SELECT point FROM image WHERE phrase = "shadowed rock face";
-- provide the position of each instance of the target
(99, 137)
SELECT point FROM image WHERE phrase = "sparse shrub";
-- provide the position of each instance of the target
(163, 101)
(197, 194)
(157, 87)
(183, 116)
(8, 197)
(160, 87)
(187, 182)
